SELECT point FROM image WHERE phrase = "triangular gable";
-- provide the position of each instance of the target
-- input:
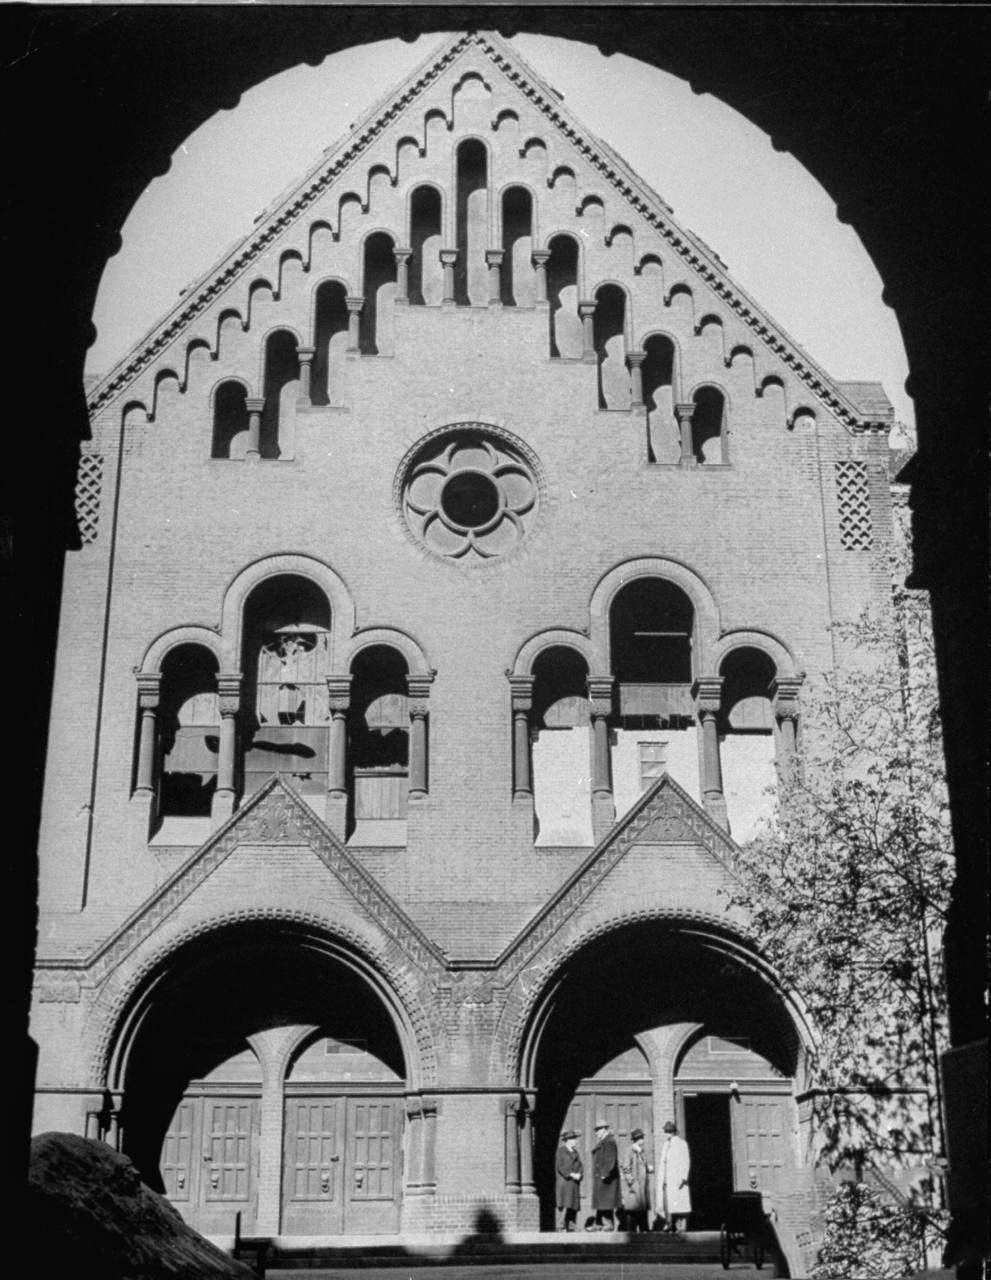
(274, 815)
(335, 162)
(664, 814)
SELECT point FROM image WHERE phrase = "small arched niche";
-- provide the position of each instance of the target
(747, 749)
(560, 747)
(658, 397)
(285, 659)
(426, 276)
(651, 622)
(378, 755)
(709, 439)
(610, 347)
(379, 291)
(471, 217)
(230, 421)
(565, 326)
(281, 387)
(330, 342)
(517, 280)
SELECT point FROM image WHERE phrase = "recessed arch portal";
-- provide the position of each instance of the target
(607, 1033)
(209, 1104)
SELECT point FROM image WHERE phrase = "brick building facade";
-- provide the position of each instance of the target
(452, 557)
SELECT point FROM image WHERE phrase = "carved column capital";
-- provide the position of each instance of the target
(708, 694)
(448, 257)
(229, 692)
(521, 692)
(338, 693)
(636, 358)
(306, 354)
(540, 257)
(354, 302)
(418, 687)
(600, 695)
(784, 696)
(684, 412)
(586, 308)
(254, 404)
(149, 689)
(494, 257)
(402, 253)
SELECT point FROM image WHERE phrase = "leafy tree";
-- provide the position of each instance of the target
(867, 1238)
(848, 888)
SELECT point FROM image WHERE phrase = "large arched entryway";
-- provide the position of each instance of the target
(263, 1073)
(661, 1021)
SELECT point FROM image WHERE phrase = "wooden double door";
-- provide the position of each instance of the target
(341, 1162)
(342, 1167)
(209, 1161)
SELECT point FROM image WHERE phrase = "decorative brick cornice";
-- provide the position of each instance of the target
(651, 207)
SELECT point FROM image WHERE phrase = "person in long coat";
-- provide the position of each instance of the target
(568, 1176)
(636, 1189)
(675, 1197)
(605, 1178)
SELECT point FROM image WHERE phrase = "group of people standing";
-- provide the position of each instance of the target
(623, 1191)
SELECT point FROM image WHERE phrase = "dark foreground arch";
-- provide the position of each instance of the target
(894, 140)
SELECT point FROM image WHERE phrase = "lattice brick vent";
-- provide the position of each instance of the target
(854, 501)
(89, 482)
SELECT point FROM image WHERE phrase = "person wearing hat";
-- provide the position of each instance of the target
(676, 1200)
(636, 1184)
(568, 1170)
(605, 1178)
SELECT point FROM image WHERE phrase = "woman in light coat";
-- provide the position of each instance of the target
(675, 1197)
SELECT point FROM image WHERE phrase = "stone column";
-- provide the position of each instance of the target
(708, 691)
(429, 1108)
(414, 1146)
(784, 703)
(254, 406)
(229, 691)
(635, 360)
(149, 690)
(684, 413)
(402, 256)
(600, 707)
(338, 703)
(493, 258)
(448, 257)
(512, 1152)
(305, 397)
(521, 696)
(419, 691)
(587, 312)
(527, 1118)
(539, 258)
(354, 303)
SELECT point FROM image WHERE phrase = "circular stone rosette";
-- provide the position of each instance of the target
(469, 494)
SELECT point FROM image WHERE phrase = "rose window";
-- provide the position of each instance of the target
(470, 495)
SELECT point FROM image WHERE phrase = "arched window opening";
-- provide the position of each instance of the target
(379, 738)
(609, 328)
(518, 285)
(472, 214)
(562, 796)
(188, 733)
(230, 421)
(654, 731)
(658, 396)
(330, 342)
(747, 746)
(285, 658)
(708, 426)
(562, 295)
(426, 275)
(379, 290)
(281, 388)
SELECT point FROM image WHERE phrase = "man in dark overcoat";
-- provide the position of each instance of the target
(568, 1171)
(605, 1178)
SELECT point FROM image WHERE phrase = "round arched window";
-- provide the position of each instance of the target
(469, 493)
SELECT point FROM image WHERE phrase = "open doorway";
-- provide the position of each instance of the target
(707, 1132)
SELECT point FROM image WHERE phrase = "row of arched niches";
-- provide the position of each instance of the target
(517, 233)
(346, 718)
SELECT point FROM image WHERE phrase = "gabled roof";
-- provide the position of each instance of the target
(338, 159)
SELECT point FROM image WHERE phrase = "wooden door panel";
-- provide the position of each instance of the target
(759, 1142)
(373, 1173)
(228, 1127)
(314, 1139)
(209, 1162)
(177, 1152)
